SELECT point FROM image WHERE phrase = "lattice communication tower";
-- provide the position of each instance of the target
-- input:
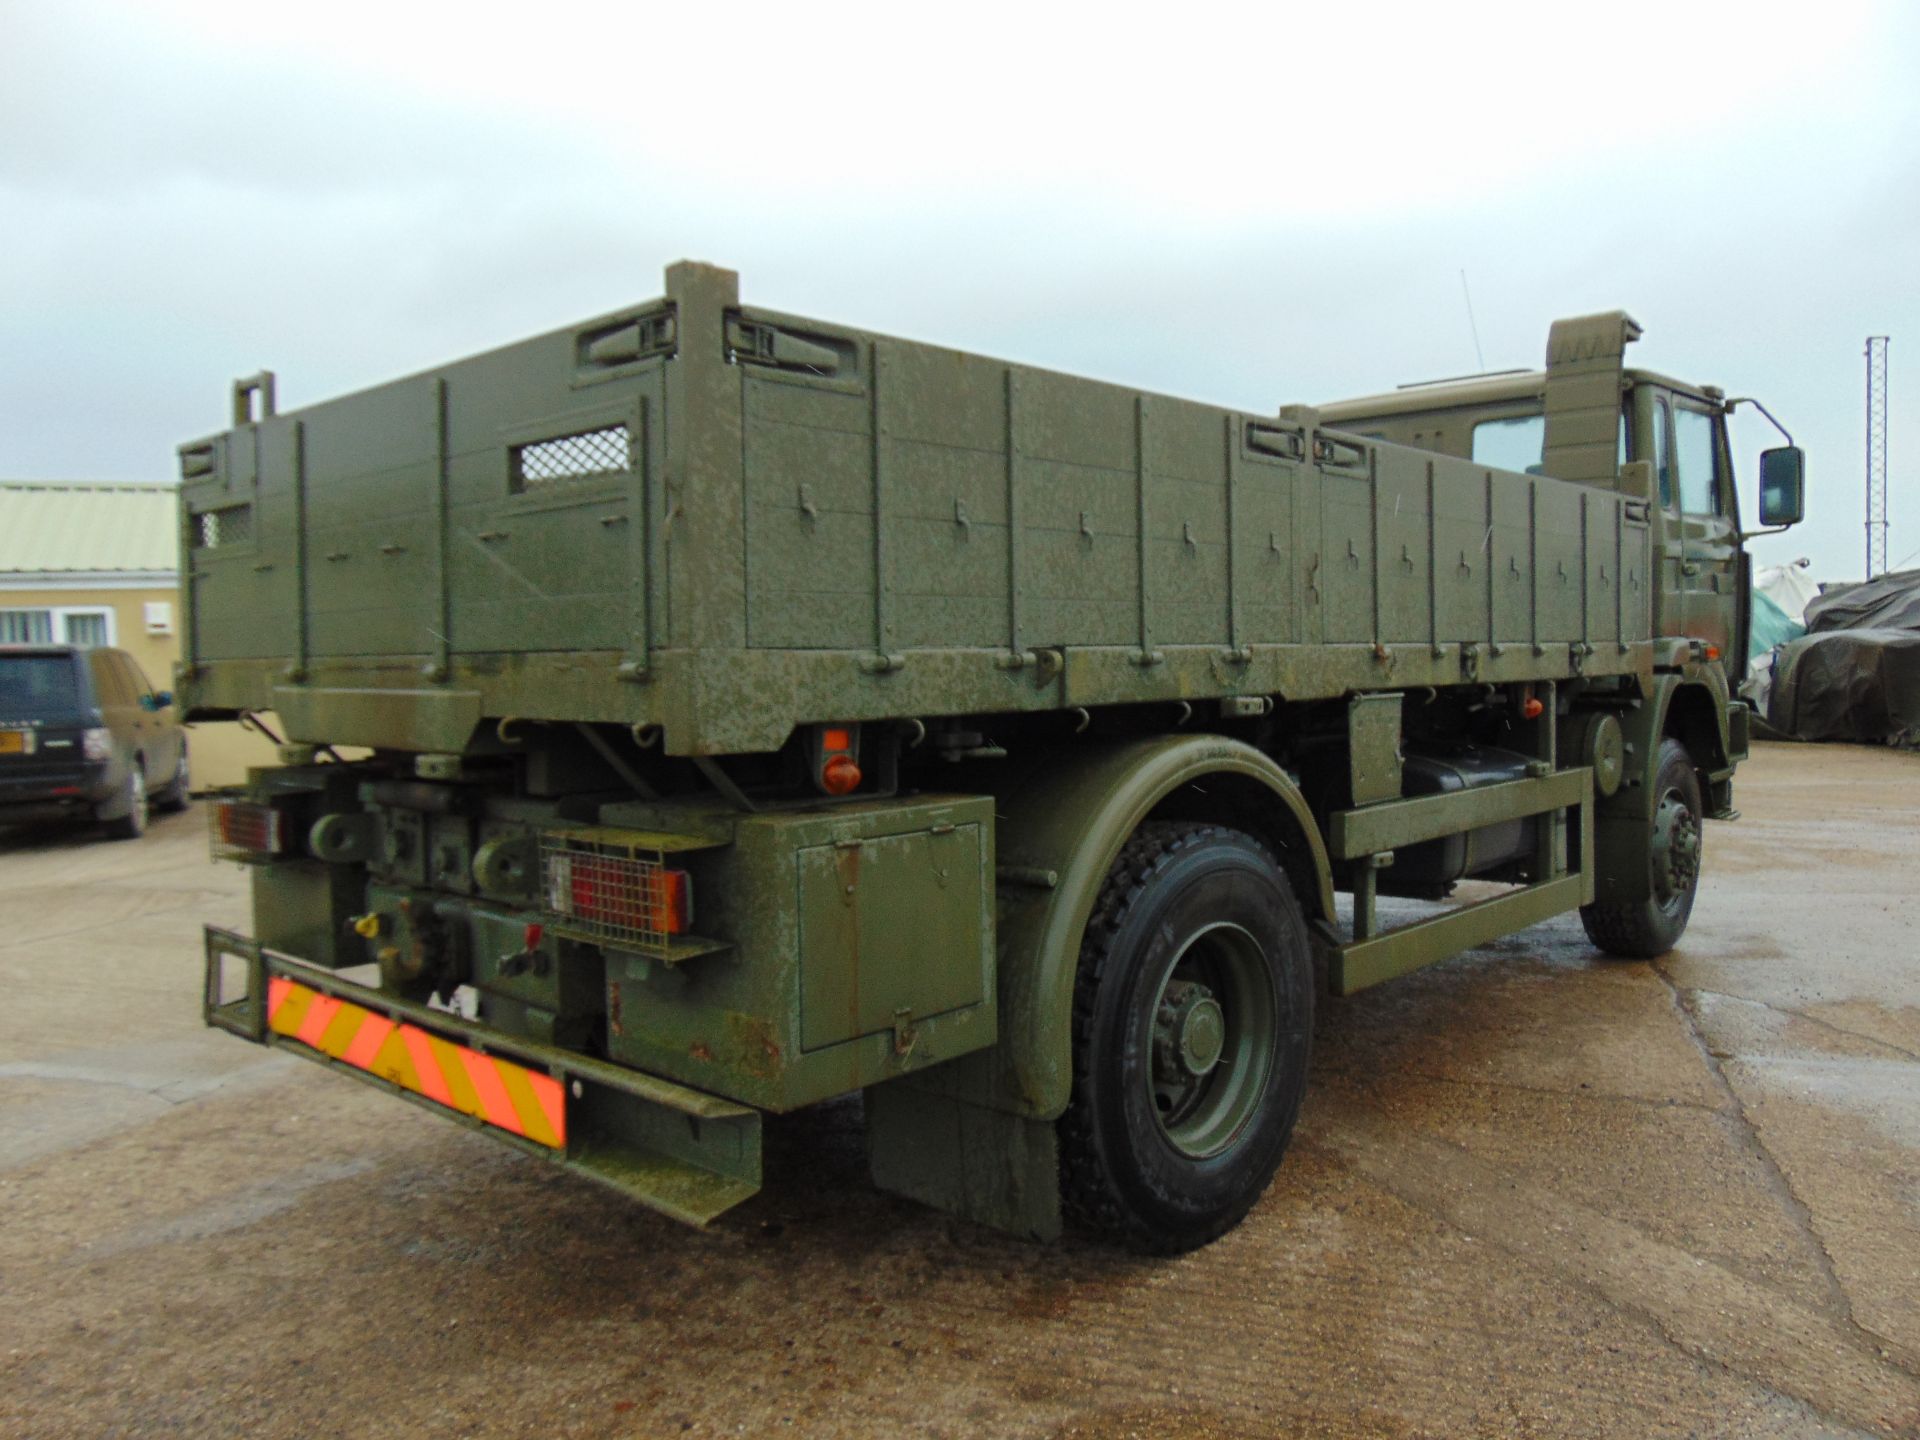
(1876, 455)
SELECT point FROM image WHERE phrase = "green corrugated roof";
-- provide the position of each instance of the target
(50, 526)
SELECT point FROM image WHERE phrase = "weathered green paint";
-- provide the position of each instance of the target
(860, 949)
(296, 906)
(1382, 957)
(973, 1160)
(796, 538)
(1391, 824)
(1373, 748)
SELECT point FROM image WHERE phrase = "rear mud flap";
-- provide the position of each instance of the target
(689, 1155)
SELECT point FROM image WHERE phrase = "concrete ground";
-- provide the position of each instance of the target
(1534, 1193)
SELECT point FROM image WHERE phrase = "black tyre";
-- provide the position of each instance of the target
(176, 795)
(1646, 929)
(133, 824)
(1193, 1017)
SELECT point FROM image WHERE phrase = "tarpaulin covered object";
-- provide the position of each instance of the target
(1856, 674)
(1887, 602)
(1849, 685)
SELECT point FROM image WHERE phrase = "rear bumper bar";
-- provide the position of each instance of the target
(689, 1155)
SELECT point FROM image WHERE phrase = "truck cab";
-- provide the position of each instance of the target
(1678, 429)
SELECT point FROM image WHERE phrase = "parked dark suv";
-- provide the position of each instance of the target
(84, 737)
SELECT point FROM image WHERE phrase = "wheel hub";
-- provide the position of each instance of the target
(1676, 848)
(1189, 1033)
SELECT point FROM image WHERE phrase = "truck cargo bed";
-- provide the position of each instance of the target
(727, 522)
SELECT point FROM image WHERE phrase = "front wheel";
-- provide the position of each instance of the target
(1646, 929)
(1193, 1016)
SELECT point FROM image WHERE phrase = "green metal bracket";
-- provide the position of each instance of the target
(689, 1155)
(1370, 831)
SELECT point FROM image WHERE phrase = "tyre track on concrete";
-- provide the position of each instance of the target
(1704, 1309)
(1796, 1209)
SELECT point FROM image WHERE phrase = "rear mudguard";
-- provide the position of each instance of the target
(975, 1136)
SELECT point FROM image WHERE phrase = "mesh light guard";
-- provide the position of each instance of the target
(596, 886)
(243, 830)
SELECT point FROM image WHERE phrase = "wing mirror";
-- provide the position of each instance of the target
(158, 700)
(1783, 486)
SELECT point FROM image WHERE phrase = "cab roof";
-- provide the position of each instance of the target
(1473, 391)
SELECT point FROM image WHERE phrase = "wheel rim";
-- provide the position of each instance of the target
(1214, 1022)
(1676, 850)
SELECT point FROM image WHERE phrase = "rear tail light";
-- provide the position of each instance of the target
(245, 830)
(614, 894)
(836, 759)
(97, 743)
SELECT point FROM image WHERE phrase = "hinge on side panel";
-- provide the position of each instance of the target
(1287, 443)
(750, 342)
(637, 339)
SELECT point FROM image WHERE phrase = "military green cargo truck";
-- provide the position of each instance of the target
(755, 710)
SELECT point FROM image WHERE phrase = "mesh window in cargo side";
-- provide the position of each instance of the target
(589, 453)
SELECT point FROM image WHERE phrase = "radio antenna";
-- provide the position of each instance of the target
(1479, 358)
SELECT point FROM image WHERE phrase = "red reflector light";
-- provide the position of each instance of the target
(243, 829)
(835, 737)
(620, 898)
(840, 775)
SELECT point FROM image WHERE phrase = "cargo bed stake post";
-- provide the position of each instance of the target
(1586, 580)
(440, 667)
(297, 671)
(1433, 571)
(1017, 655)
(1533, 567)
(1231, 444)
(880, 423)
(1493, 645)
(639, 662)
(1147, 654)
(1373, 521)
(1620, 575)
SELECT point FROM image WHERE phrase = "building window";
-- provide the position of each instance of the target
(85, 625)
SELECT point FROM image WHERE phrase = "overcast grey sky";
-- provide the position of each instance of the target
(1244, 204)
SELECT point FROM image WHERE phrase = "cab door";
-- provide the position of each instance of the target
(1698, 537)
(1703, 520)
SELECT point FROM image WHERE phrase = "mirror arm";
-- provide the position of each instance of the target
(1746, 535)
(1738, 401)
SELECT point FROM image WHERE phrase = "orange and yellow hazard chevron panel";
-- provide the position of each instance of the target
(516, 1099)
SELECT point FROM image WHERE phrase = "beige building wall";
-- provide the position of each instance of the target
(221, 750)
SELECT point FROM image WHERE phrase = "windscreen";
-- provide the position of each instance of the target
(36, 685)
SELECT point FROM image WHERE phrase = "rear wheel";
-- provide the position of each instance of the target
(133, 824)
(1645, 929)
(1193, 1016)
(175, 796)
